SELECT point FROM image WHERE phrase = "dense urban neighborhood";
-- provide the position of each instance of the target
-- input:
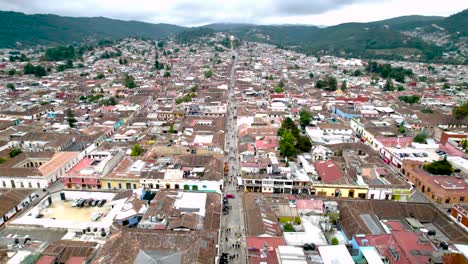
(215, 149)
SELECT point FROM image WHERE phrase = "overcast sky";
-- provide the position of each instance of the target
(200, 12)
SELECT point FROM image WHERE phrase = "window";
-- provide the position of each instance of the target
(82, 180)
(120, 185)
(372, 196)
(4, 184)
(69, 179)
(30, 185)
(22, 184)
(462, 199)
(109, 185)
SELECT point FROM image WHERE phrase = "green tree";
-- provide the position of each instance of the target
(167, 74)
(171, 128)
(14, 152)
(464, 144)
(335, 241)
(71, 118)
(304, 118)
(288, 228)
(11, 72)
(129, 81)
(400, 88)
(209, 74)
(69, 64)
(39, 71)
(420, 138)
(311, 75)
(402, 129)
(303, 143)
(343, 86)
(100, 76)
(28, 68)
(286, 144)
(388, 87)
(357, 73)
(280, 84)
(136, 150)
(409, 99)
(11, 87)
(439, 167)
(278, 90)
(460, 112)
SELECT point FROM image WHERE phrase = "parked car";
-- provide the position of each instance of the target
(101, 202)
(76, 202)
(94, 203)
(80, 203)
(95, 216)
(230, 196)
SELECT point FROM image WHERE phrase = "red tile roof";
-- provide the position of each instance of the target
(254, 244)
(328, 171)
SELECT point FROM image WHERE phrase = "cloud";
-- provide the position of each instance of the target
(193, 12)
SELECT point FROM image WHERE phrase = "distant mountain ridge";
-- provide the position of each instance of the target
(385, 38)
(54, 30)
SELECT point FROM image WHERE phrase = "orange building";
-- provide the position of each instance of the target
(439, 188)
(460, 212)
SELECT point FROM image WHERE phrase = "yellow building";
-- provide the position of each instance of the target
(340, 190)
(120, 183)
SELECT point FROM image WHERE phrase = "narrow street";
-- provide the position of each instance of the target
(233, 231)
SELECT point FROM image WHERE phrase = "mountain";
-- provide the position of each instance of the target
(53, 30)
(457, 23)
(415, 37)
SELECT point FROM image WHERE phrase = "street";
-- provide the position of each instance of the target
(232, 224)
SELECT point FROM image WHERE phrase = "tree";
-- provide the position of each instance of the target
(400, 88)
(335, 241)
(409, 99)
(71, 118)
(281, 84)
(69, 64)
(136, 150)
(278, 89)
(40, 71)
(15, 152)
(11, 72)
(129, 81)
(167, 74)
(388, 87)
(286, 144)
(288, 228)
(209, 74)
(11, 87)
(160, 44)
(420, 138)
(100, 76)
(343, 86)
(439, 167)
(305, 118)
(303, 143)
(171, 128)
(402, 129)
(460, 112)
(311, 75)
(357, 73)
(464, 144)
(28, 68)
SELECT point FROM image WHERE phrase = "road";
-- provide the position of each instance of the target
(235, 219)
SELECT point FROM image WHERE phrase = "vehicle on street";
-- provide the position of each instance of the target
(230, 196)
